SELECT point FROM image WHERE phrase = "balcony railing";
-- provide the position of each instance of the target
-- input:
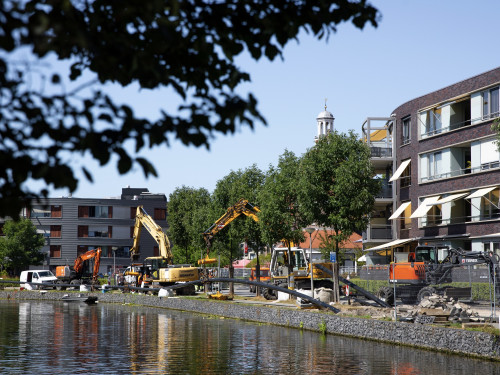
(378, 232)
(460, 172)
(458, 125)
(381, 152)
(436, 220)
(385, 190)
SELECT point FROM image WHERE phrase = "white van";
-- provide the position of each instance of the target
(37, 277)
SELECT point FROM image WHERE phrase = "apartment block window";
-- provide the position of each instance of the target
(133, 212)
(406, 130)
(95, 231)
(81, 249)
(121, 251)
(435, 167)
(95, 211)
(430, 122)
(491, 103)
(55, 251)
(40, 212)
(406, 177)
(160, 213)
(492, 246)
(490, 205)
(55, 231)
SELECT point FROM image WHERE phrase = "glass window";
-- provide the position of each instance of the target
(491, 103)
(435, 164)
(406, 130)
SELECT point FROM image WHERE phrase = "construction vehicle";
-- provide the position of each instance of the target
(428, 267)
(265, 276)
(163, 272)
(242, 207)
(137, 274)
(301, 271)
(82, 272)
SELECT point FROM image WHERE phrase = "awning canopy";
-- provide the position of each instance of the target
(400, 170)
(488, 235)
(390, 244)
(449, 198)
(399, 211)
(479, 193)
(424, 207)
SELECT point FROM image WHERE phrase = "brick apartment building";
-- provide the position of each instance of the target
(440, 169)
(72, 226)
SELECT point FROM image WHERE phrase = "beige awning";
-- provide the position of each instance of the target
(400, 170)
(399, 211)
(449, 198)
(424, 207)
(390, 244)
(479, 193)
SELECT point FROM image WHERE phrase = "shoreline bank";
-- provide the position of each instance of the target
(456, 341)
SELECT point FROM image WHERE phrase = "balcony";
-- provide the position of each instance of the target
(377, 232)
(385, 190)
(381, 152)
(461, 172)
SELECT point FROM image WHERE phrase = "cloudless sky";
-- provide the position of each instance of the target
(419, 46)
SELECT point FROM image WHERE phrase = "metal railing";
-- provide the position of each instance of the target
(460, 172)
(378, 232)
(381, 152)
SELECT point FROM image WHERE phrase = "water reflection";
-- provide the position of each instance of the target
(110, 339)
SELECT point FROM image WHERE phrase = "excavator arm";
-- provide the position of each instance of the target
(142, 219)
(80, 261)
(242, 207)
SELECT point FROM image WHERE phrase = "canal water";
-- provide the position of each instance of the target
(73, 338)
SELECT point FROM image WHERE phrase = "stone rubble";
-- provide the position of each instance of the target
(442, 306)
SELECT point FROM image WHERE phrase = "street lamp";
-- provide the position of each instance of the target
(310, 231)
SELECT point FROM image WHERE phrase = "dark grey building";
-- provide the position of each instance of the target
(73, 226)
(440, 166)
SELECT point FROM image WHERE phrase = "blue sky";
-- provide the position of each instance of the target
(418, 47)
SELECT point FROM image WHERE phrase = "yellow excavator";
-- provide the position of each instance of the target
(242, 207)
(162, 271)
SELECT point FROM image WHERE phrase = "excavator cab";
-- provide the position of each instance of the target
(427, 254)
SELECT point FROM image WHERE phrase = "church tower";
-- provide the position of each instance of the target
(325, 124)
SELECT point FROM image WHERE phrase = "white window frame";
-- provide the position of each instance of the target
(487, 101)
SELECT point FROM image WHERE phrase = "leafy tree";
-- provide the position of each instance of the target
(280, 218)
(188, 210)
(236, 185)
(245, 184)
(21, 246)
(50, 111)
(337, 187)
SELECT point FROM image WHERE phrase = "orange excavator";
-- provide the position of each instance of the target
(82, 271)
(430, 267)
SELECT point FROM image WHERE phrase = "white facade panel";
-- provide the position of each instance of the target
(445, 116)
(475, 154)
(476, 103)
(424, 170)
(489, 151)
